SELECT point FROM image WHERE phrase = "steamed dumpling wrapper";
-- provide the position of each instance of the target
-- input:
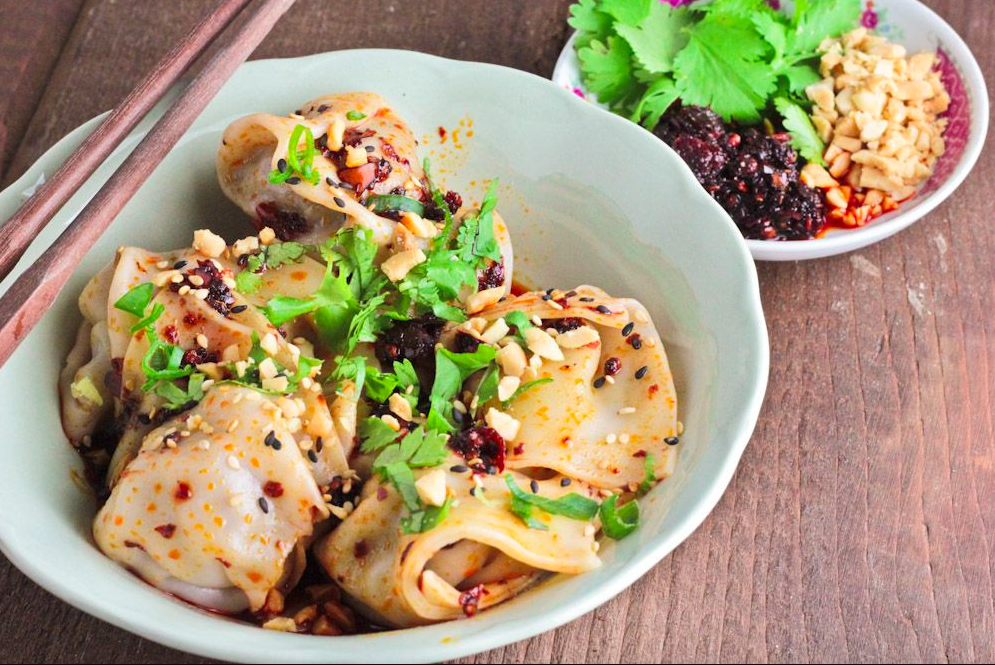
(599, 435)
(253, 146)
(478, 556)
(213, 516)
(347, 124)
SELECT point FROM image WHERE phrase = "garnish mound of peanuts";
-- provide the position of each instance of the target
(877, 111)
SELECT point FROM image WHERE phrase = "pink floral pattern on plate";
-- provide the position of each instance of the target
(958, 117)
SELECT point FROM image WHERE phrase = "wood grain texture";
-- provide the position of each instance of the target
(860, 525)
(32, 35)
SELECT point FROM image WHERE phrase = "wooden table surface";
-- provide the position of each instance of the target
(861, 522)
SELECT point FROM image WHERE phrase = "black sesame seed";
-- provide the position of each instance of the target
(270, 439)
(370, 148)
(322, 108)
(565, 482)
(534, 486)
(339, 202)
(627, 330)
(570, 294)
(319, 444)
(587, 299)
(492, 470)
(672, 440)
(263, 504)
(546, 296)
(473, 491)
(637, 343)
(293, 180)
(601, 308)
(313, 456)
(238, 309)
(281, 165)
(179, 264)
(598, 382)
(458, 416)
(641, 372)
(330, 182)
(459, 468)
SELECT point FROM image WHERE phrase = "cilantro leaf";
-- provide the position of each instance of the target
(657, 38)
(617, 522)
(804, 138)
(375, 434)
(722, 67)
(591, 22)
(400, 476)
(607, 69)
(451, 370)
(421, 521)
(627, 11)
(248, 281)
(816, 20)
(655, 101)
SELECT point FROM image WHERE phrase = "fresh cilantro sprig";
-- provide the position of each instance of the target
(736, 56)
(299, 164)
(451, 370)
(269, 257)
(418, 449)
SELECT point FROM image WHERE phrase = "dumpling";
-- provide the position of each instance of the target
(210, 509)
(608, 401)
(362, 145)
(365, 161)
(478, 556)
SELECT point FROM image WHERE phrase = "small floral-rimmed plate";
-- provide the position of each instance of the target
(918, 28)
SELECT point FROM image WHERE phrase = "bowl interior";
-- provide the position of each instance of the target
(918, 28)
(589, 198)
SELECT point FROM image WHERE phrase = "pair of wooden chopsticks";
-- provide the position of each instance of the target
(30, 296)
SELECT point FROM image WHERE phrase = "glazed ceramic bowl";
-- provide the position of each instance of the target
(582, 209)
(918, 28)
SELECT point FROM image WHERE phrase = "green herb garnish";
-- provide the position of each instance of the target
(418, 449)
(617, 522)
(426, 519)
(299, 163)
(136, 300)
(571, 505)
(735, 56)
(355, 115)
(649, 475)
(395, 203)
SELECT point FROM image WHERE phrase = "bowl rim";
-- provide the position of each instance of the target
(716, 477)
(848, 240)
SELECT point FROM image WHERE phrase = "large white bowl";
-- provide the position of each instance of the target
(584, 197)
(918, 28)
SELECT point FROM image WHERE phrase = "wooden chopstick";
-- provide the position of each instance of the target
(28, 298)
(18, 231)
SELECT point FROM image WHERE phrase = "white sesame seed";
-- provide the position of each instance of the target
(232, 426)
(623, 438)
(626, 410)
(202, 341)
(233, 463)
(611, 438)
